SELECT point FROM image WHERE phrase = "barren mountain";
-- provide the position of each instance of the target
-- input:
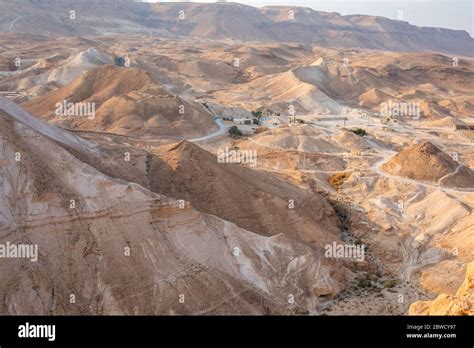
(126, 101)
(246, 197)
(227, 20)
(117, 248)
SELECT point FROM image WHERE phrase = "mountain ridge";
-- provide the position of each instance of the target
(229, 21)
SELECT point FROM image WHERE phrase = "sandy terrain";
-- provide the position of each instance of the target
(359, 144)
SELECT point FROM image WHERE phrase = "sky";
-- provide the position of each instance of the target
(451, 14)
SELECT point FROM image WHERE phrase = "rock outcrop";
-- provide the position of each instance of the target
(462, 303)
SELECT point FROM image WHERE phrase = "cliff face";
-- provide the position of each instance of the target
(462, 303)
(107, 246)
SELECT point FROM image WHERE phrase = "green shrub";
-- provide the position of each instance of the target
(359, 131)
(235, 132)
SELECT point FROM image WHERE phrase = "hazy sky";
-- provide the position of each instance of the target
(452, 14)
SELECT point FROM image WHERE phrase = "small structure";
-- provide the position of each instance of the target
(242, 121)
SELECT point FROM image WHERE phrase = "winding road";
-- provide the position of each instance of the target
(221, 131)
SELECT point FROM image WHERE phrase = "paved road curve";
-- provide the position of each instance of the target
(221, 131)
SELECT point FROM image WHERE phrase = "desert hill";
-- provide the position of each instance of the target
(370, 79)
(313, 79)
(248, 198)
(428, 163)
(126, 101)
(373, 98)
(301, 138)
(40, 76)
(445, 122)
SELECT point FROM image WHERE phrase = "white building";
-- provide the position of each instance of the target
(242, 121)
